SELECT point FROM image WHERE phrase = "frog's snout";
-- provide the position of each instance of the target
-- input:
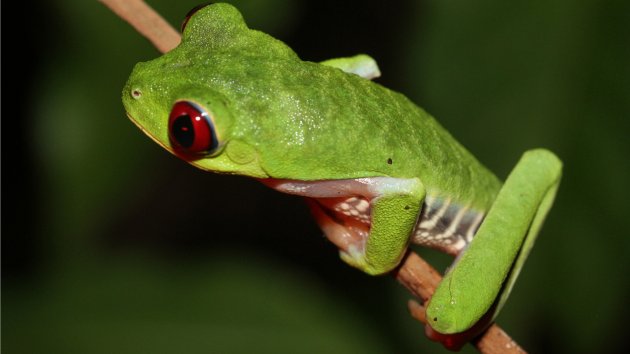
(134, 85)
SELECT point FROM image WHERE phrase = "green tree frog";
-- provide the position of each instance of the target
(378, 171)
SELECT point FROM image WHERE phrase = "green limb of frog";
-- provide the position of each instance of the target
(361, 64)
(394, 216)
(485, 272)
(370, 220)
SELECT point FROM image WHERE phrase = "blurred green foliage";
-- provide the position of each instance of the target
(112, 245)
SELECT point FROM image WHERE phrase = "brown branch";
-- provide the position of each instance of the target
(146, 21)
(419, 277)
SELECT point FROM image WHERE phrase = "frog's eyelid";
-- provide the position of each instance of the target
(191, 13)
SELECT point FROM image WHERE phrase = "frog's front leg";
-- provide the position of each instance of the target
(369, 219)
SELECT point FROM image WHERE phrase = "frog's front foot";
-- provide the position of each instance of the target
(370, 219)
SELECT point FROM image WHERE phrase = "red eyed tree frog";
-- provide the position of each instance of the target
(378, 171)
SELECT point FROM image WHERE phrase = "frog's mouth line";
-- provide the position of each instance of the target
(147, 133)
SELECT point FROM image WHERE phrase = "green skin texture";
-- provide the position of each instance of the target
(279, 117)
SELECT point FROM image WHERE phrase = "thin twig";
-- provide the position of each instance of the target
(419, 277)
(146, 21)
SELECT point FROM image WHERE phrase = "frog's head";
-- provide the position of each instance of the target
(191, 122)
(180, 101)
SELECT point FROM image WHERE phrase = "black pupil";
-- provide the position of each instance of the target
(183, 131)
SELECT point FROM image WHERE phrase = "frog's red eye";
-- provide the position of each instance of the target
(192, 12)
(190, 129)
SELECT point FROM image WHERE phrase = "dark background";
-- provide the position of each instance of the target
(112, 245)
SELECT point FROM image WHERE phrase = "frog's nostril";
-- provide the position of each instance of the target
(136, 93)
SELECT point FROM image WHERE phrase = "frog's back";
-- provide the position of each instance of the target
(311, 121)
(338, 125)
(384, 130)
(329, 124)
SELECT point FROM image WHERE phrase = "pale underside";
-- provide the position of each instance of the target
(342, 209)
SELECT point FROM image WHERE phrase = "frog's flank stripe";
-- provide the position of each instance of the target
(474, 225)
(428, 205)
(429, 224)
(454, 225)
(445, 225)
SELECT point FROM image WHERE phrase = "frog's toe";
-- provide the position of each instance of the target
(355, 256)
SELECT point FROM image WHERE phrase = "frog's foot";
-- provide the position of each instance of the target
(342, 210)
(344, 231)
(455, 341)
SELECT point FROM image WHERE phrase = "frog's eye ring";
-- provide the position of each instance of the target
(192, 12)
(190, 129)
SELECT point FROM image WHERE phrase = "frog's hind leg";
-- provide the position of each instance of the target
(485, 272)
